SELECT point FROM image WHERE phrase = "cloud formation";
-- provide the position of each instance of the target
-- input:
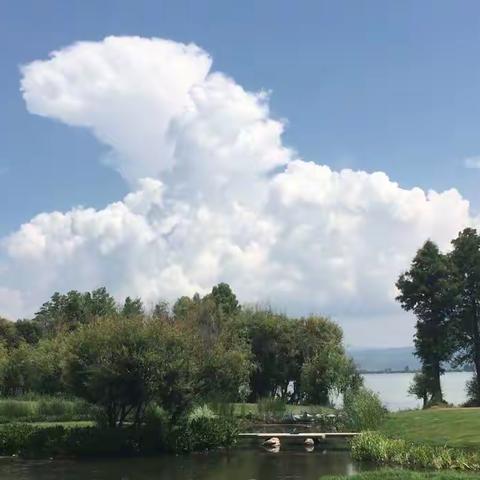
(472, 162)
(215, 196)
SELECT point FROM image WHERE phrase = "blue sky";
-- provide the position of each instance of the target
(391, 86)
(374, 86)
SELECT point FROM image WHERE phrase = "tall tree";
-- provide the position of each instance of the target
(466, 261)
(132, 307)
(68, 311)
(428, 290)
(225, 299)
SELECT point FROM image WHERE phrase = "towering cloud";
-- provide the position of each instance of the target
(216, 196)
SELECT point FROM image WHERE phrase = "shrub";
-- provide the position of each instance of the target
(202, 411)
(13, 438)
(203, 433)
(364, 410)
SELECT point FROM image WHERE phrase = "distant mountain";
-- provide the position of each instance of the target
(382, 359)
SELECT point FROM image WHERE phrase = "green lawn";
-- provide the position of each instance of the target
(407, 475)
(455, 427)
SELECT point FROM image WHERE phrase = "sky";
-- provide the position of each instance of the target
(301, 151)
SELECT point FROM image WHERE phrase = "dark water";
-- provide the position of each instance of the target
(239, 464)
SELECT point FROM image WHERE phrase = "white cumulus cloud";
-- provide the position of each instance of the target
(215, 196)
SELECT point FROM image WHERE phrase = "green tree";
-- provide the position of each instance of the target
(46, 360)
(123, 364)
(132, 307)
(428, 290)
(8, 333)
(18, 370)
(466, 261)
(28, 331)
(225, 299)
(69, 311)
(421, 388)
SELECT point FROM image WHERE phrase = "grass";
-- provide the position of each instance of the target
(72, 424)
(242, 409)
(15, 410)
(454, 427)
(406, 475)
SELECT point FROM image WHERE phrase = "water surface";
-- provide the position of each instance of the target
(393, 388)
(239, 464)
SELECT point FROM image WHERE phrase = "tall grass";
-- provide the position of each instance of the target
(374, 447)
(44, 409)
(271, 408)
(405, 475)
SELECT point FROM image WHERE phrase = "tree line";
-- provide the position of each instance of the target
(442, 289)
(125, 358)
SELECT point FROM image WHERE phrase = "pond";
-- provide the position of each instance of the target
(239, 464)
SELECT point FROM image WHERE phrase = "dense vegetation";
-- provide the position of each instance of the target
(377, 448)
(443, 291)
(131, 367)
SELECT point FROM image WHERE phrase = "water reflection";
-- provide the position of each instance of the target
(240, 464)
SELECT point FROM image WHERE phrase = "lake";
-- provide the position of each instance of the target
(240, 464)
(393, 388)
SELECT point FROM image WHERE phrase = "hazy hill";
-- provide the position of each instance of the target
(380, 359)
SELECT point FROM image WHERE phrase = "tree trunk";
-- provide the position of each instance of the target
(476, 352)
(437, 396)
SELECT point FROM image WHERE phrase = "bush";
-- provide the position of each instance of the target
(271, 408)
(203, 433)
(197, 434)
(202, 411)
(364, 410)
(374, 447)
(13, 438)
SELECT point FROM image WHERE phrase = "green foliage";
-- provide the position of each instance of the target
(203, 433)
(473, 392)
(210, 350)
(202, 411)
(132, 307)
(364, 410)
(306, 353)
(123, 364)
(428, 290)
(44, 409)
(225, 299)
(374, 447)
(198, 434)
(271, 408)
(69, 311)
(465, 258)
(421, 387)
